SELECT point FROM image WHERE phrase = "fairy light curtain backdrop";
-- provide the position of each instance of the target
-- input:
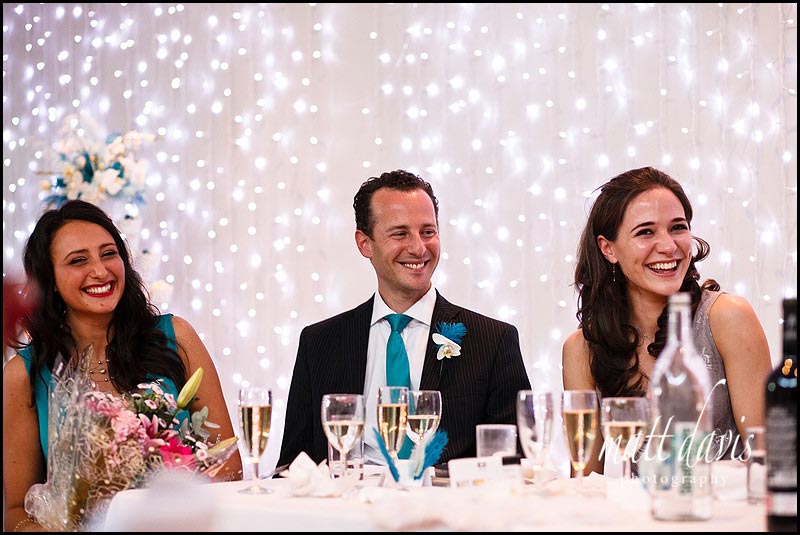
(266, 119)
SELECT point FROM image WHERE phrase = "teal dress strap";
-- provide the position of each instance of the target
(40, 390)
(165, 324)
(42, 385)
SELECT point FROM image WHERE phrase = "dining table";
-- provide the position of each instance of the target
(597, 503)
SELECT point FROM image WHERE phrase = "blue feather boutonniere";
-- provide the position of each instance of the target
(448, 337)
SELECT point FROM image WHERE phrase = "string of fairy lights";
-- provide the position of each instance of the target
(268, 117)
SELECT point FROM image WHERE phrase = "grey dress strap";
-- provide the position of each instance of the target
(725, 430)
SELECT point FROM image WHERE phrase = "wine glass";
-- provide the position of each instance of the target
(624, 422)
(579, 421)
(424, 414)
(255, 420)
(343, 422)
(392, 417)
(535, 424)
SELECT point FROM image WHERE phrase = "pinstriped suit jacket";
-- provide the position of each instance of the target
(478, 386)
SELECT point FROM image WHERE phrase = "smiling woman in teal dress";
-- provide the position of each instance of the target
(90, 295)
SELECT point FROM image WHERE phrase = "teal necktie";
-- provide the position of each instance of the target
(397, 370)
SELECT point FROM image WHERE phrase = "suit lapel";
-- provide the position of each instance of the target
(355, 341)
(432, 369)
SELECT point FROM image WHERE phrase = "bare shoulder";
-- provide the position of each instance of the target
(737, 331)
(576, 363)
(182, 328)
(190, 345)
(575, 347)
(15, 380)
(732, 308)
(14, 372)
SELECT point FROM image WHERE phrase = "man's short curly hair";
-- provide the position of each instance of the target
(399, 180)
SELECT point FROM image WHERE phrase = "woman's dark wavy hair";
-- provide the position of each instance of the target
(603, 307)
(136, 349)
(399, 180)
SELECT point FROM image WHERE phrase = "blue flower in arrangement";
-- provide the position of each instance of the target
(94, 170)
(448, 337)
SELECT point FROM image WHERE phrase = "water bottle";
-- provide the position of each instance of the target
(679, 450)
(781, 425)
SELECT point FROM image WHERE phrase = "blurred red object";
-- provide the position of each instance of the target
(17, 302)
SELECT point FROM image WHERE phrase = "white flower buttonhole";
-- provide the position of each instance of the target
(447, 348)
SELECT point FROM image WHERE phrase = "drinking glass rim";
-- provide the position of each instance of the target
(534, 394)
(495, 426)
(254, 388)
(386, 387)
(618, 398)
(339, 396)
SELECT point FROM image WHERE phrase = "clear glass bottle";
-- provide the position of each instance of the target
(679, 450)
(781, 424)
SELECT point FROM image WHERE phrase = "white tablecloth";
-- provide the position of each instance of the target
(555, 506)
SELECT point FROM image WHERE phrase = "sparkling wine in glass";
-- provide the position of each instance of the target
(579, 414)
(255, 420)
(343, 422)
(393, 417)
(535, 424)
(424, 414)
(624, 423)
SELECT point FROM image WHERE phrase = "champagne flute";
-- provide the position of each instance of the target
(255, 420)
(579, 422)
(624, 422)
(424, 414)
(393, 417)
(535, 424)
(343, 422)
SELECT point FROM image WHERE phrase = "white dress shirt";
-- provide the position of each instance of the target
(415, 338)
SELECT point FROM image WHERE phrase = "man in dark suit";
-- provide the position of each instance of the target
(397, 230)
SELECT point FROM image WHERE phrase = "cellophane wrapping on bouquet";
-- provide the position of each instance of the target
(100, 444)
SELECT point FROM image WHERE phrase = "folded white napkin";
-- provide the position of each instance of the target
(309, 479)
(537, 475)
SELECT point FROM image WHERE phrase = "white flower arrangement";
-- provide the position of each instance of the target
(93, 170)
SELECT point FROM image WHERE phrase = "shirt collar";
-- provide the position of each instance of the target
(421, 311)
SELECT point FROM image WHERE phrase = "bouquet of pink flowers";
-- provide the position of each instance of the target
(100, 444)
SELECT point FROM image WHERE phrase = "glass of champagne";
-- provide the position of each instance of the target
(624, 423)
(392, 417)
(579, 420)
(343, 422)
(535, 424)
(424, 414)
(255, 419)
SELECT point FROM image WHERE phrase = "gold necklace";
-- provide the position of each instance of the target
(102, 370)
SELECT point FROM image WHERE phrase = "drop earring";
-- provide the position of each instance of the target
(613, 273)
